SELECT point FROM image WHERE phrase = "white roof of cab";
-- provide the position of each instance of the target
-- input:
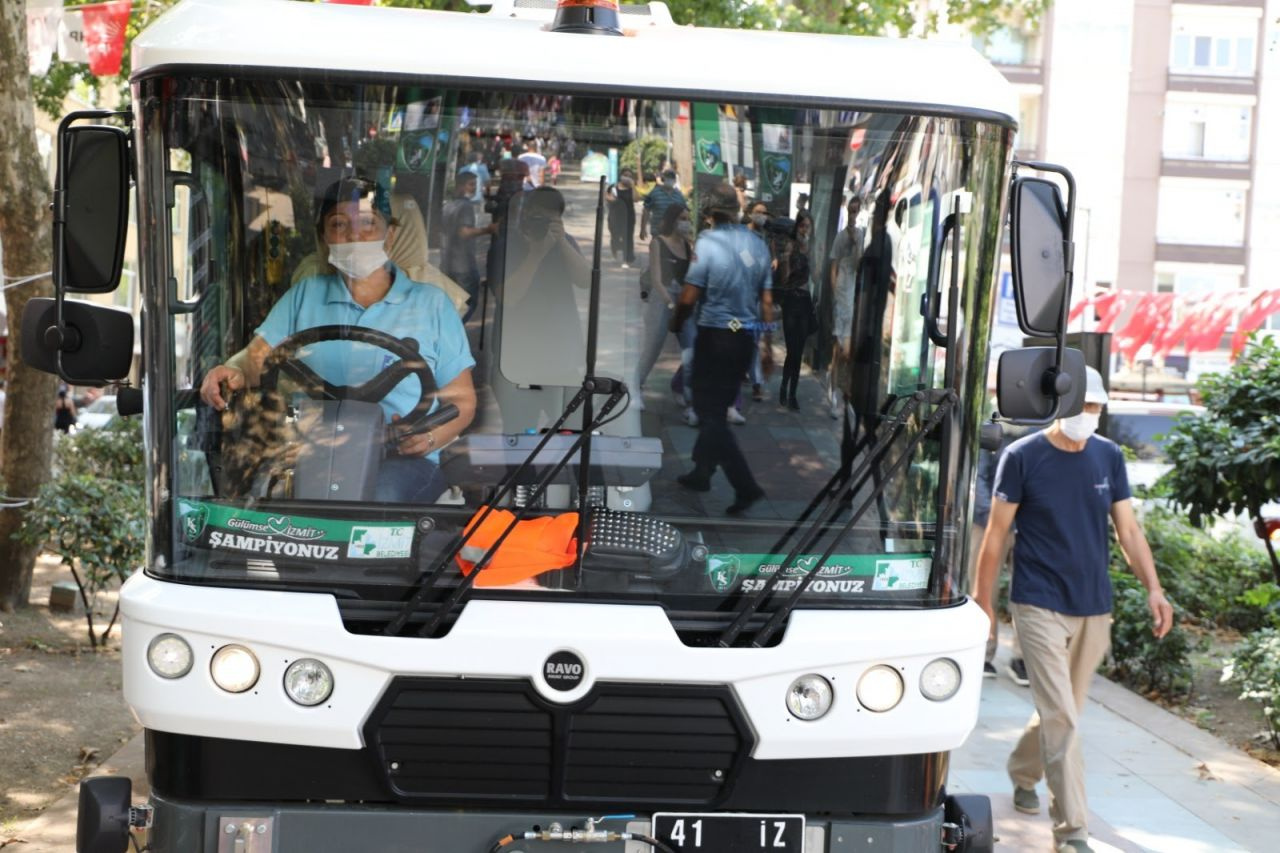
(283, 34)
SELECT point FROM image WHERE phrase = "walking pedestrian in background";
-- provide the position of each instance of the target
(1061, 485)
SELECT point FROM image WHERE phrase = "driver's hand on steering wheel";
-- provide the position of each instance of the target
(419, 444)
(211, 389)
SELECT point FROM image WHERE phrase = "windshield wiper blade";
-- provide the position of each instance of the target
(591, 385)
(943, 401)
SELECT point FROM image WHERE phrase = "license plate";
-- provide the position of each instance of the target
(730, 833)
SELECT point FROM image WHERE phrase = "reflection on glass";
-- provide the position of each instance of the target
(374, 402)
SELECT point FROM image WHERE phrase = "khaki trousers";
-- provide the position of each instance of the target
(1061, 653)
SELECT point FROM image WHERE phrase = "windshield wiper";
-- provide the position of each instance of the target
(893, 429)
(583, 399)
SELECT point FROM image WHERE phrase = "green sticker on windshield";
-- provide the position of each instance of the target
(842, 574)
(266, 534)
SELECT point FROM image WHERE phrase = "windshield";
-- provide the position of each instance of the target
(389, 288)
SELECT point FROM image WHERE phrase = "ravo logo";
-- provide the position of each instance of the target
(564, 671)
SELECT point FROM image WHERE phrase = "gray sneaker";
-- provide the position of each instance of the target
(1075, 845)
(1026, 800)
(1017, 670)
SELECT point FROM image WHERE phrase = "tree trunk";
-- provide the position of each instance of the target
(25, 235)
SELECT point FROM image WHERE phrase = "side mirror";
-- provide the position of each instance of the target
(1032, 388)
(91, 206)
(92, 346)
(1040, 233)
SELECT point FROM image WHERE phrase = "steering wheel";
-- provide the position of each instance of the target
(283, 359)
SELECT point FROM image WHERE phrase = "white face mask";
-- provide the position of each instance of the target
(357, 260)
(759, 219)
(1081, 426)
(684, 229)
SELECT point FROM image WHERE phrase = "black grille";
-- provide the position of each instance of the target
(452, 740)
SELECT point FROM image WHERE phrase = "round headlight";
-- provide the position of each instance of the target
(234, 669)
(880, 688)
(308, 681)
(809, 697)
(940, 679)
(169, 656)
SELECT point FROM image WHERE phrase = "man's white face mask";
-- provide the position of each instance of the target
(357, 260)
(1081, 426)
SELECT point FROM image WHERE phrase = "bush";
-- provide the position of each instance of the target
(650, 149)
(1224, 583)
(92, 513)
(1255, 666)
(1138, 659)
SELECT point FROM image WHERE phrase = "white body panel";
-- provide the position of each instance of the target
(282, 34)
(512, 639)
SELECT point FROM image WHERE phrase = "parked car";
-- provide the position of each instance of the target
(98, 413)
(1142, 426)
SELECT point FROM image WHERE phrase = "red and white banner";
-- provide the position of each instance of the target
(43, 18)
(1166, 321)
(95, 34)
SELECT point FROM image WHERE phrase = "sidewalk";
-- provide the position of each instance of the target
(1155, 782)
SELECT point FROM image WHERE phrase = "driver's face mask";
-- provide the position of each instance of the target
(359, 259)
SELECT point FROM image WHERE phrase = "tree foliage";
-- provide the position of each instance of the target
(92, 514)
(1228, 461)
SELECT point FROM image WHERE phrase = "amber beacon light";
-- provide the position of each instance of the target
(598, 17)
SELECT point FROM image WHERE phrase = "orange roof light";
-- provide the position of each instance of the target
(599, 17)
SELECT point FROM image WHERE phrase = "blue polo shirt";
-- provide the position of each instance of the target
(410, 309)
(1064, 500)
(730, 267)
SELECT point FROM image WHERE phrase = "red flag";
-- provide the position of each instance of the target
(1138, 330)
(1109, 312)
(1163, 343)
(1212, 323)
(104, 28)
(1263, 306)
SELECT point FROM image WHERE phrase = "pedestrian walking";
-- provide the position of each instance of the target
(728, 278)
(64, 411)
(458, 225)
(1059, 486)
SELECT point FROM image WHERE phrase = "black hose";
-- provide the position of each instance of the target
(652, 842)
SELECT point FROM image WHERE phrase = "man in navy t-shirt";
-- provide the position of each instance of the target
(1061, 485)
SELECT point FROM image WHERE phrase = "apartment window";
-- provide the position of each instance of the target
(1164, 282)
(1222, 55)
(1027, 138)
(1007, 46)
(1200, 213)
(1194, 130)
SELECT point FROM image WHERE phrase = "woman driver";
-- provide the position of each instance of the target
(366, 289)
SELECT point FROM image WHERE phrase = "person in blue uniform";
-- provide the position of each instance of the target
(366, 289)
(729, 280)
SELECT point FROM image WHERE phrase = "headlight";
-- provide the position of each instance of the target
(169, 656)
(880, 688)
(809, 697)
(234, 669)
(940, 679)
(308, 682)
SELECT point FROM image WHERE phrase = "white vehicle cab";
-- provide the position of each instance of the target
(420, 584)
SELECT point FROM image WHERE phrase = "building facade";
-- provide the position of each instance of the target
(1168, 113)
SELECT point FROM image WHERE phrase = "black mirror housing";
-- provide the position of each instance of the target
(1029, 391)
(1039, 235)
(93, 347)
(91, 207)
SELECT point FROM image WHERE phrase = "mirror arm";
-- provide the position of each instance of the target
(1068, 254)
(68, 339)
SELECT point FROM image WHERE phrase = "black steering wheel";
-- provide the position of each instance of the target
(283, 360)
